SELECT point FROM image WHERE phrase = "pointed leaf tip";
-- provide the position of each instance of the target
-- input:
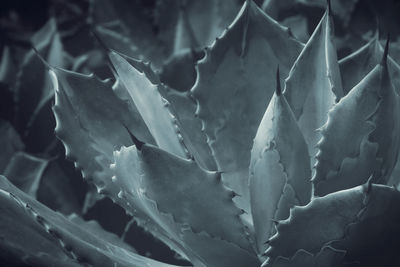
(278, 83)
(139, 144)
(99, 40)
(386, 51)
(40, 57)
(106, 49)
(329, 6)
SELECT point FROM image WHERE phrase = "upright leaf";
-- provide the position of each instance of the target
(233, 89)
(360, 222)
(361, 136)
(314, 83)
(279, 169)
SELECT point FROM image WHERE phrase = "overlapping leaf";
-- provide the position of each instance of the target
(360, 222)
(189, 203)
(233, 89)
(183, 127)
(279, 169)
(152, 107)
(33, 234)
(361, 136)
(314, 83)
(92, 122)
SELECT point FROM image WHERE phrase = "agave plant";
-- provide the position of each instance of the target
(278, 155)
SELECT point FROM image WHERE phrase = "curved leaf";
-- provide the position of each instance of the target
(233, 89)
(361, 136)
(360, 221)
(32, 233)
(279, 169)
(157, 185)
(314, 83)
(91, 122)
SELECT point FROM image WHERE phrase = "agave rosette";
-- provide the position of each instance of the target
(234, 171)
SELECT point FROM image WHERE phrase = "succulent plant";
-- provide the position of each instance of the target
(277, 154)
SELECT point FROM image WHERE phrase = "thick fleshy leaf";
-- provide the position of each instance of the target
(25, 172)
(357, 65)
(183, 106)
(233, 89)
(174, 204)
(10, 142)
(203, 200)
(361, 136)
(152, 107)
(279, 169)
(314, 83)
(360, 221)
(92, 122)
(33, 234)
